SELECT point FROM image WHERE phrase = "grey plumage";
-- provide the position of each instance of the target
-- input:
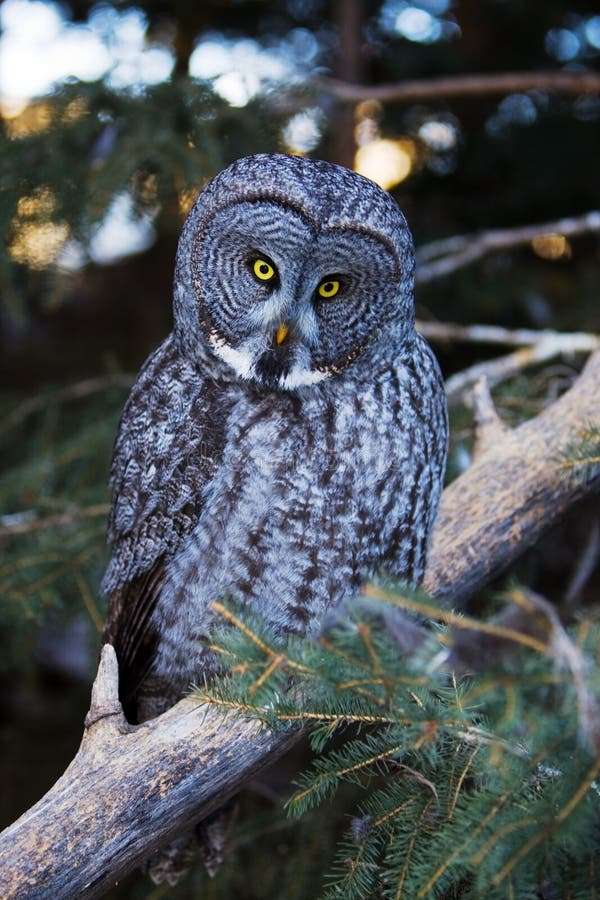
(280, 446)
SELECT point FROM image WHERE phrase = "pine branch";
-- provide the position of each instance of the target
(25, 523)
(430, 612)
(581, 458)
(422, 831)
(77, 391)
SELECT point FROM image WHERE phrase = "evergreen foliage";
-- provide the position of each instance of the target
(474, 781)
(54, 493)
(159, 148)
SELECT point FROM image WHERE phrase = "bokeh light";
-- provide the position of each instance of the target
(563, 44)
(303, 131)
(37, 244)
(552, 246)
(386, 162)
(422, 21)
(241, 68)
(440, 136)
(40, 50)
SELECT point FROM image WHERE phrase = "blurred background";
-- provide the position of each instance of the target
(113, 115)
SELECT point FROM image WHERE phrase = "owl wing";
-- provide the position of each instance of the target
(420, 461)
(169, 443)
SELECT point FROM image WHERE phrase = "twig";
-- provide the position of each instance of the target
(104, 701)
(534, 347)
(71, 392)
(587, 562)
(465, 86)
(439, 258)
(88, 601)
(22, 523)
(496, 370)
(572, 342)
(488, 425)
(566, 654)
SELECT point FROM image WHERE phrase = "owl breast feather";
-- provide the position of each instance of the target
(284, 500)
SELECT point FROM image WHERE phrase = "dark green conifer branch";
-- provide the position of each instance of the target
(474, 782)
(54, 500)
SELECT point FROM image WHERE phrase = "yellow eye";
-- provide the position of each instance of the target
(263, 270)
(328, 288)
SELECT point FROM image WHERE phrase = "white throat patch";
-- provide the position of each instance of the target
(239, 360)
(302, 377)
(242, 363)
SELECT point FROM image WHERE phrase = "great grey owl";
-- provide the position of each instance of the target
(288, 440)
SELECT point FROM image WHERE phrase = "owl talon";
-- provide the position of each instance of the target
(173, 862)
(214, 835)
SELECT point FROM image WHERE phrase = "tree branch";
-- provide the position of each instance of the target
(27, 521)
(129, 790)
(570, 342)
(497, 370)
(439, 258)
(72, 392)
(513, 492)
(534, 347)
(556, 82)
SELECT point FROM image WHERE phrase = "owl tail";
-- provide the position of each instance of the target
(211, 837)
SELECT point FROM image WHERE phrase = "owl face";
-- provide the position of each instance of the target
(279, 280)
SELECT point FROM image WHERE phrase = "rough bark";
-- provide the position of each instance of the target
(129, 790)
(515, 489)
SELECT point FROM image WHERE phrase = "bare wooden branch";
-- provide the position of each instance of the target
(512, 493)
(535, 347)
(446, 88)
(569, 341)
(131, 789)
(27, 522)
(489, 427)
(497, 370)
(439, 258)
(128, 791)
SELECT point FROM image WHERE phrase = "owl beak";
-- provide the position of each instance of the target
(281, 334)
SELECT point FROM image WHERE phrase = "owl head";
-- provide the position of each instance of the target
(288, 269)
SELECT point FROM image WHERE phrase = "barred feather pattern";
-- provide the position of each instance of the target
(281, 475)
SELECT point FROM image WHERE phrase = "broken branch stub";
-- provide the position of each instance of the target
(129, 790)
